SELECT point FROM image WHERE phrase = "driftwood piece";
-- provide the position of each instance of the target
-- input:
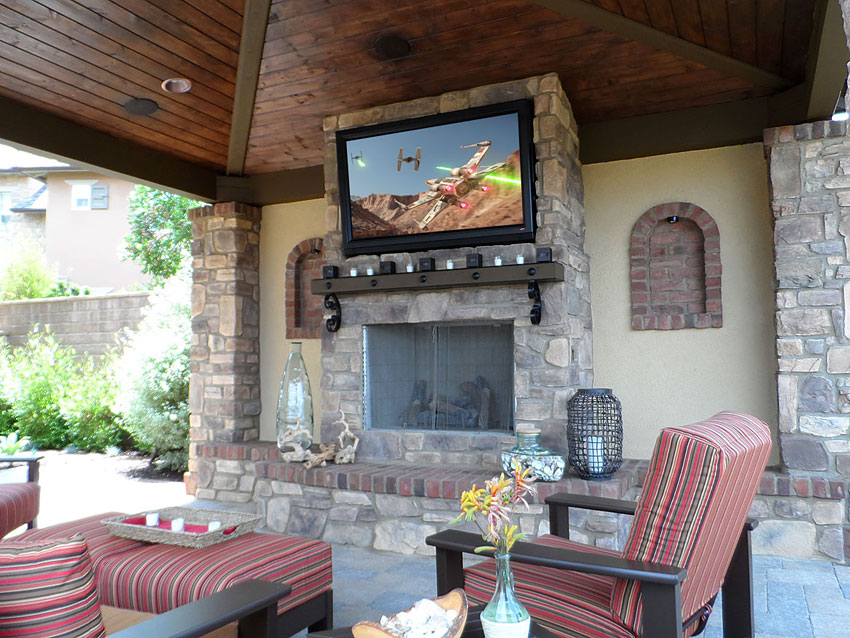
(297, 453)
(325, 454)
(347, 442)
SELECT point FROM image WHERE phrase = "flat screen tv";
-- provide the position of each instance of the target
(464, 178)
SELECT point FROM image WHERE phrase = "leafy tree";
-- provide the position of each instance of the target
(160, 231)
(27, 277)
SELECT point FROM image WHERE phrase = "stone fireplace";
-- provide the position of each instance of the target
(546, 362)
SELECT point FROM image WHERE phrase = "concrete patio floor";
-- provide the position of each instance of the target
(797, 598)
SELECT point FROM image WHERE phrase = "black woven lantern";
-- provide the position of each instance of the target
(595, 433)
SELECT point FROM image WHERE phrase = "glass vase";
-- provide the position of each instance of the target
(295, 406)
(545, 465)
(504, 616)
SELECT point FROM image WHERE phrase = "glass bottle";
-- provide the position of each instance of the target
(295, 406)
(545, 465)
(504, 616)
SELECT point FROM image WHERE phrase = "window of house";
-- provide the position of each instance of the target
(87, 194)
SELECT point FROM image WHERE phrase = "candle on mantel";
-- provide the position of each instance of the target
(177, 524)
(353, 272)
(370, 271)
(409, 267)
(595, 455)
(497, 261)
(152, 519)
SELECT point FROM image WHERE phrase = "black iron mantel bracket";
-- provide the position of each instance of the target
(334, 320)
(530, 274)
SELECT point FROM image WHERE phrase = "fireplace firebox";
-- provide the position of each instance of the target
(446, 376)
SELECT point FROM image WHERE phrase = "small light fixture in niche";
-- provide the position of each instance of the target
(672, 219)
(176, 85)
(140, 106)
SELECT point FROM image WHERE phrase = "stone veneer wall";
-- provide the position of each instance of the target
(552, 359)
(224, 389)
(806, 504)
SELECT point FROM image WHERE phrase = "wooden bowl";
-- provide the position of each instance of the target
(455, 599)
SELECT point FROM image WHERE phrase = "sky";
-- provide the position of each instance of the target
(12, 157)
(440, 147)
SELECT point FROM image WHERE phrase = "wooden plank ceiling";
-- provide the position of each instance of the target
(83, 59)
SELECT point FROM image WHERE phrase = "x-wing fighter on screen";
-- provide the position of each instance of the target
(462, 180)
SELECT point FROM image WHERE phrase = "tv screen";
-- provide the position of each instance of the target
(455, 179)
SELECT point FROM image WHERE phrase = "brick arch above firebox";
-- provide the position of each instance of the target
(304, 309)
(675, 269)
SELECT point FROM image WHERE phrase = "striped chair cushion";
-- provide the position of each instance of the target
(157, 578)
(18, 505)
(569, 604)
(47, 590)
(100, 542)
(699, 487)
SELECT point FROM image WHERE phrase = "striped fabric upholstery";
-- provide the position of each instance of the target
(699, 488)
(569, 604)
(47, 590)
(18, 505)
(156, 578)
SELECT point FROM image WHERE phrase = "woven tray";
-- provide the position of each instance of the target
(233, 524)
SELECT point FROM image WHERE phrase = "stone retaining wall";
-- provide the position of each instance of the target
(88, 324)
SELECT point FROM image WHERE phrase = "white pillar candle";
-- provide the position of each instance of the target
(353, 272)
(370, 271)
(450, 265)
(213, 525)
(177, 525)
(152, 519)
(595, 455)
(520, 259)
(497, 261)
(409, 267)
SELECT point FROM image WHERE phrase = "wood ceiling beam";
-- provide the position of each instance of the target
(44, 133)
(254, 22)
(691, 129)
(292, 185)
(638, 32)
(826, 71)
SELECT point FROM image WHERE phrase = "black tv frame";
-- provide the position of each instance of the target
(524, 109)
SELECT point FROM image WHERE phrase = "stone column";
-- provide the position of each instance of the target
(225, 356)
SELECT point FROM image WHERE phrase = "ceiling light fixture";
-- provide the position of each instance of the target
(176, 85)
(140, 106)
(392, 47)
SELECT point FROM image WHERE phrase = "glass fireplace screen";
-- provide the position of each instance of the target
(439, 377)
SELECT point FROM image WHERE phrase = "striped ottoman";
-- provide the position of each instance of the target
(18, 505)
(156, 578)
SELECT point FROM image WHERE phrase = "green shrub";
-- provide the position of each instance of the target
(153, 374)
(27, 277)
(40, 374)
(59, 398)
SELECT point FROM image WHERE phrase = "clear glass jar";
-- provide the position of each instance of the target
(295, 405)
(545, 465)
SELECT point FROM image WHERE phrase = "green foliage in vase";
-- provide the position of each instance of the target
(160, 231)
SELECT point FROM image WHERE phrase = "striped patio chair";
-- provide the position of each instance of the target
(689, 538)
(19, 502)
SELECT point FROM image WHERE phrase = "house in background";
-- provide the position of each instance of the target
(76, 218)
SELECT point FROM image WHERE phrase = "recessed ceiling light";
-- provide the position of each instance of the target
(176, 85)
(140, 106)
(392, 46)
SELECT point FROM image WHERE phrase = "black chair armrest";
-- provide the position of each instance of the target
(559, 558)
(32, 464)
(253, 603)
(560, 504)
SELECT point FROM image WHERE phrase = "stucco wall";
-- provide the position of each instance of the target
(283, 226)
(85, 245)
(679, 376)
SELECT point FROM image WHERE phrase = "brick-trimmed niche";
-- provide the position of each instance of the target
(304, 309)
(675, 269)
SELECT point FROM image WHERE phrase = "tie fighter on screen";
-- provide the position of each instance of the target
(408, 160)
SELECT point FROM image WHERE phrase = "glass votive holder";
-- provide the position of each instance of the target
(497, 261)
(520, 259)
(353, 272)
(450, 265)
(152, 519)
(213, 526)
(409, 267)
(177, 524)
